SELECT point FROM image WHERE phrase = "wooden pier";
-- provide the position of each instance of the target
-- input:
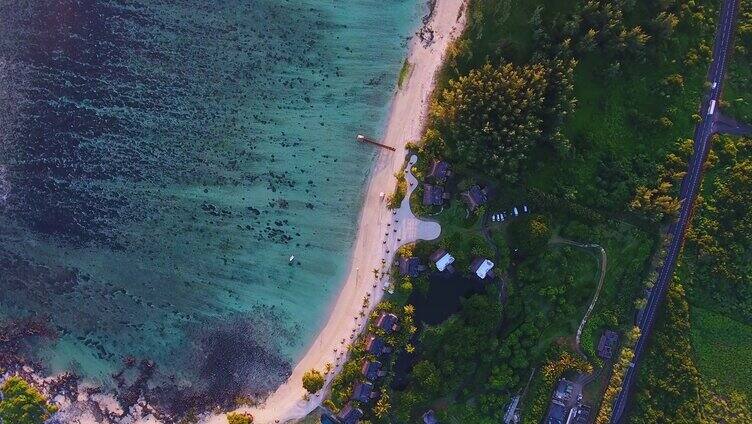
(364, 139)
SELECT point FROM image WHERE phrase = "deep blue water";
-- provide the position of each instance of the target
(161, 160)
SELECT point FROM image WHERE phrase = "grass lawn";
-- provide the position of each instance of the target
(628, 251)
(738, 86)
(723, 348)
(577, 269)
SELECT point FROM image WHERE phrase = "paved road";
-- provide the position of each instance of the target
(709, 110)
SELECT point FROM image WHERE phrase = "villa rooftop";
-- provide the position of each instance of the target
(442, 259)
(362, 392)
(371, 370)
(410, 266)
(349, 414)
(375, 345)
(482, 267)
(607, 344)
(387, 322)
(439, 170)
(475, 197)
(433, 195)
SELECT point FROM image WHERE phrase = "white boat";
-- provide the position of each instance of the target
(292, 258)
(515, 212)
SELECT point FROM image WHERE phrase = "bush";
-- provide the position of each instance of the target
(23, 404)
(239, 418)
(394, 200)
(530, 235)
(313, 381)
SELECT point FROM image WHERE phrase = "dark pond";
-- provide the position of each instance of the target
(442, 300)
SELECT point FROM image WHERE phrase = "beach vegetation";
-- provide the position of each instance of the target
(404, 73)
(22, 403)
(394, 200)
(239, 418)
(406, 250)
(313, 381)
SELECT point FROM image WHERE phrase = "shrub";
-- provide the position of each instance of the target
(530, 235)
(313, 381)
(239, 418)
(23, 404)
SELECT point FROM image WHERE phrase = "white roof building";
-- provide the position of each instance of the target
(444, 261)
(482, 268)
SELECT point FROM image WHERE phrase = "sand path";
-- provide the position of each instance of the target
(376, 225)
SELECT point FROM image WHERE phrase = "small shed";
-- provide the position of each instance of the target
(482, 267)
(475, 197)
(442, 259)
(387, 322)
(433, 195)
(439, 170)
(607, 344)
(371, 370)
(350, 414)
(362, 392)
(410, 266)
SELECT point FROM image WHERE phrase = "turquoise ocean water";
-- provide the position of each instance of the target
(161, 160)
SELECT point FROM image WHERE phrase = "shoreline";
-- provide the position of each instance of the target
(405, 123)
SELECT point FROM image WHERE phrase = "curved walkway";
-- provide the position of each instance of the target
(603, 264)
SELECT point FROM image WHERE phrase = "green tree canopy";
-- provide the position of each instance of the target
(313, 381)
(492, 117)
(530, 235)
(239, 418)
(23, 404)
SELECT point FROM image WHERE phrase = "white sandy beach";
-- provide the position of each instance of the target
(405, 123)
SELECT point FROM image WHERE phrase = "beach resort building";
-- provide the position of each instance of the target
(372, 370)
(410, 266)
(439, 170)
(475, 197)
(387, 322)
(607, 344)
(442, 259)
(482, 268)
(433, 195)
(376, 346)
(349, 415)
(363, 392)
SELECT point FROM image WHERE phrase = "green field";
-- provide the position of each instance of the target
(723, 348)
